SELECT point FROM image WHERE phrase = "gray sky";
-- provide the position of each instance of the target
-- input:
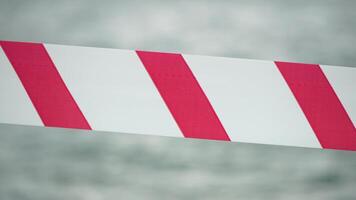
(307, 31)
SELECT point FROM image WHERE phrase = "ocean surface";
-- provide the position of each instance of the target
(38, 163)
(47, 163)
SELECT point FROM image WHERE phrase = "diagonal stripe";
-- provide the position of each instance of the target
(252, 101)
(44, 85)
(114, 92)
(15, 107)
(183, 95)
(320, 104)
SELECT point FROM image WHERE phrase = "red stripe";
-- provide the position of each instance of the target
(183, 95)
(320, 104)
(44, 85)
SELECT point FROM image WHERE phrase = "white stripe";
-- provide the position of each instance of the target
(252, 101)
(113, 90)
(342, 79)
(15, 107)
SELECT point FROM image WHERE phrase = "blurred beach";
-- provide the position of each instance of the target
(46, 163)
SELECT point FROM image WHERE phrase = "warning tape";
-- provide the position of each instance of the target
(169, 94)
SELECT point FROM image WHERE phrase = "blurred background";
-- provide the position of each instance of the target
(45, 163)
